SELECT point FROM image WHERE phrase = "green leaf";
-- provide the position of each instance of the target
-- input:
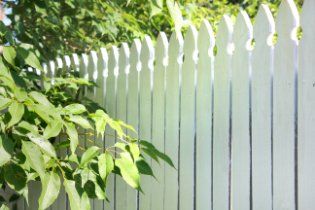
(6, 149)
(29, 58)
(34, 157)
(9, 54)
(74, 109)
(105, 165)
(156, 7)
(52, 129)
(77, 201)
(73, 136)
(29, 127)
(40, 98)
(43, 144)
(144, 167)
(16, 111)
(129, 171)
(81, 121)
(176, 14)
(4, 207)
(88, 155)
(153, 152)
(15, 176)
(50, 190)
(100, 118)
(4, 103)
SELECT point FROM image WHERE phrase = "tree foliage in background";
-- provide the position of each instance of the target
(34, 114)
(67, 26)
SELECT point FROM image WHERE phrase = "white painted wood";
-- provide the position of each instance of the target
(75, 63)
(145, 94)
(172, 119)
(306, 111)
(221, 116)
(262, 67)
(110, 106)
(284, 108)
(121, 186)
(206, 42)
(158, 119)
(240, 170)
(102, 61)
(133, 107)
(187, 121)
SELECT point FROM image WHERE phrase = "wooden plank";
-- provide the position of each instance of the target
(145, 94)
(262, 68)
(284, 109)
(306, 112)
(110, 106)
(158, 119)
(172, 119)
(206, 42)
(221, 117)
(121, 186)
(187, 122)
(133, 108)
(240, 170)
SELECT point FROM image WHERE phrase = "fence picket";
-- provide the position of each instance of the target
(306, 110)
(240, 142)
(121, 186)
(172, 119)
(110, 106)
(262, 67)
(133, 107)
(158, 119)
(187, 121)
(206, 43)
(284, 108)
(221, 117)
(145, 94)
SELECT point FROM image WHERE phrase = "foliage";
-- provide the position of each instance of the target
(67, 26)
(39, 122)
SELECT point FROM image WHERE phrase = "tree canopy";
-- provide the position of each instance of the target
(67, 26)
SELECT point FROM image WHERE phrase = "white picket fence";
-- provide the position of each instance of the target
(239, 125)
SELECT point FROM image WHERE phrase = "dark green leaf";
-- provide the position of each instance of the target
(6, 149)
(144, 167)
(15, 176)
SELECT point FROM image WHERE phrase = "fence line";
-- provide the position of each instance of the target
(238, 123)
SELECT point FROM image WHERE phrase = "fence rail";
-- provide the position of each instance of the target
(238, 123)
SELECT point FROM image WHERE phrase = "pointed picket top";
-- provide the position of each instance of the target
(190, 42)
(161, 49)
(113, 61)
(124, 54)
(135, 51)
(264, 27)
(102, 62)
(75, 61)
(307, 15)
(176, 46)
(224, 35)
(206, 39)
(288, 19)
(243, 29)
(147, 52)
(67, 60)
(59, 63)
(92, 65)
(83, 66)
